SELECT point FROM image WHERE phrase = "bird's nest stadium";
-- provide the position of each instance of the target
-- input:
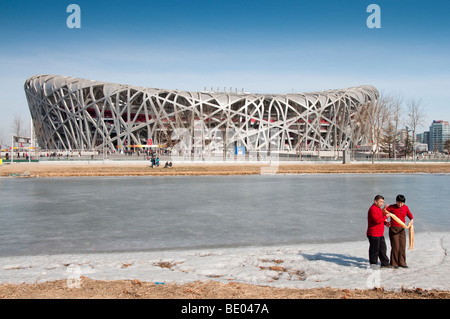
(77, 114)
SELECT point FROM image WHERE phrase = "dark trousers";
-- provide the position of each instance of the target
(398, 246)
(377, 249)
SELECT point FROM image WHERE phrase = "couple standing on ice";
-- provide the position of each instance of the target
(377, 219)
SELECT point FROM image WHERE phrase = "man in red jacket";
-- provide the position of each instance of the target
(397, 232)
(376, 220)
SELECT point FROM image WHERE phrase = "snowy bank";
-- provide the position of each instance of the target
(336, 265)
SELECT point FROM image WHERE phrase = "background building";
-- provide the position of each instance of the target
(422, 142)
(78, 114)
(438, 134)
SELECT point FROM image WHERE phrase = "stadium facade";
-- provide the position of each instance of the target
(78, 114)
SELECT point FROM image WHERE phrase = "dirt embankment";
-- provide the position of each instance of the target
(121, 169)
(134, 289)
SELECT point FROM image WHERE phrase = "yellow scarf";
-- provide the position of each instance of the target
(411, 230)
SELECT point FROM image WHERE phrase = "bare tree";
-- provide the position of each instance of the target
(397, 112)
(447, 146)
(389, 137)
(415, 117)
(377, 120)
(388, 140)
(2, 138)
(18, 129)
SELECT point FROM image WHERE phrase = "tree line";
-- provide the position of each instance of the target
(390, 116)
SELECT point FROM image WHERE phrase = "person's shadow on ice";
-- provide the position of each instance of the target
(339, 259)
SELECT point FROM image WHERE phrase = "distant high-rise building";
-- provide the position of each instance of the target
(421, 142)
(439, 133)
(420, 137)
(426, 138)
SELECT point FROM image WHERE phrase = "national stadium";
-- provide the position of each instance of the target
(73, 114)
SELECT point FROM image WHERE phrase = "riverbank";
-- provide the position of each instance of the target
(135, 289)
(325, 270)
(70, 169)
(329, 271)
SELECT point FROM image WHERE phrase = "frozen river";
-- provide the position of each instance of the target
(40, 216)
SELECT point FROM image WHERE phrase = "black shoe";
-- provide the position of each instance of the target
(404, 266)
(386, 266)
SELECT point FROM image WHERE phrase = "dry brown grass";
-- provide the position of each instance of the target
(121, 169)
(135, 289)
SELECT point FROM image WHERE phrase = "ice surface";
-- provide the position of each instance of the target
(105, 214)
(298, 231)
(338, 265)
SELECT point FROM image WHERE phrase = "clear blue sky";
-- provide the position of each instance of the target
(261, 46)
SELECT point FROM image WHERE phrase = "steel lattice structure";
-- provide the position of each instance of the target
(77, 114)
